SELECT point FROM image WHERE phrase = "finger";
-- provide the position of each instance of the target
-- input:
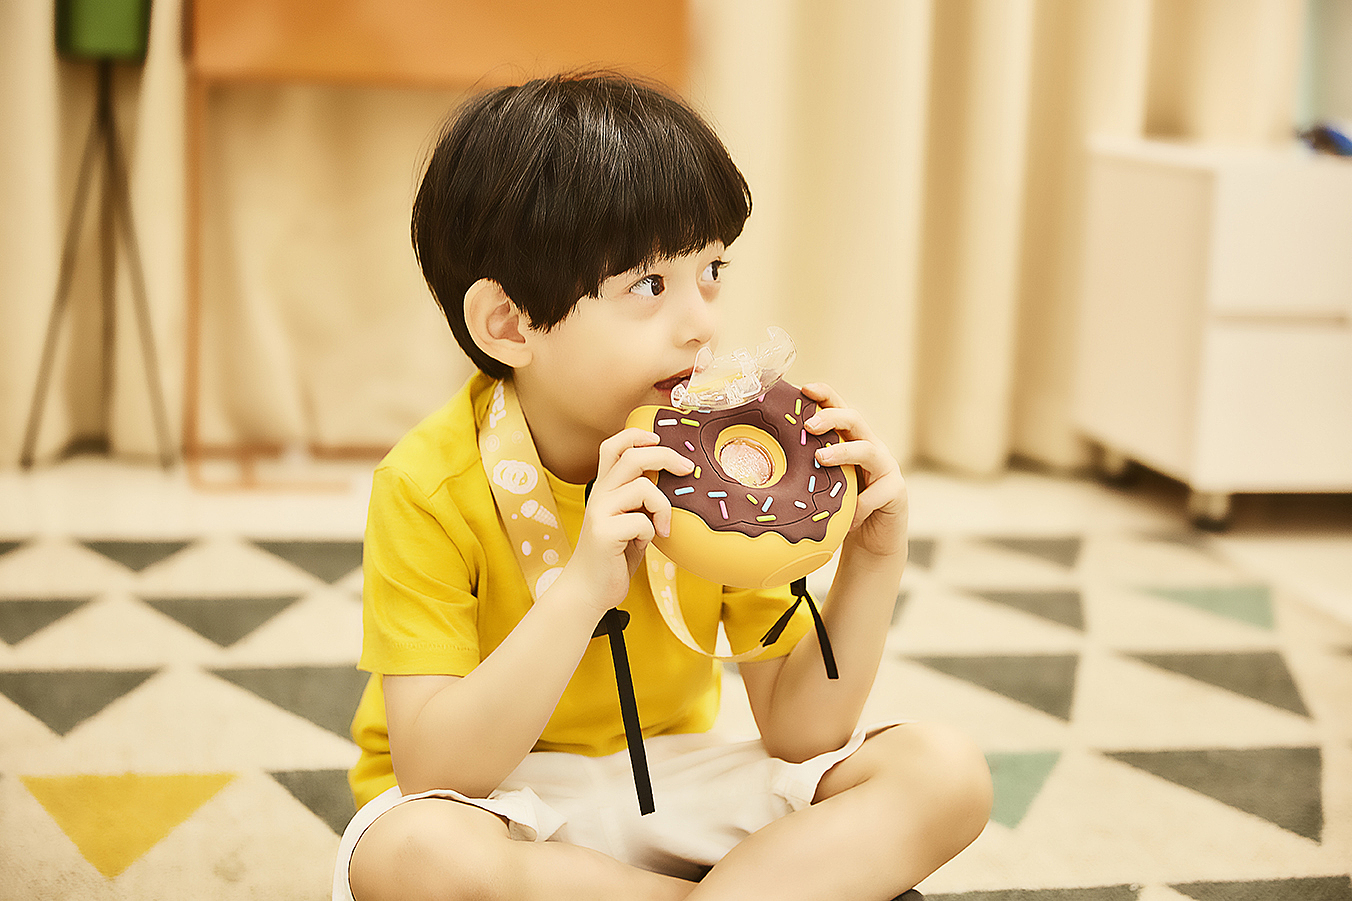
(615, 446)
(845, 420)
(858, 451)
(882, 494)
(868, 457)
(638, 496)
(629, 527)
(823, 394)
(635, 462)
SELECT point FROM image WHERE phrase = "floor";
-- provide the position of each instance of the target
(1167, 713)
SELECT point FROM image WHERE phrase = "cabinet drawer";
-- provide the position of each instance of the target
(1274, 408)
(1281, 232)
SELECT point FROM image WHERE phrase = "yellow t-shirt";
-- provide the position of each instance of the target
(443, 588)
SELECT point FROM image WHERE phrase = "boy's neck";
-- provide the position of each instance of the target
(568, 452)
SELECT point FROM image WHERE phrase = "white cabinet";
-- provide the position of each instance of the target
(1215, 339)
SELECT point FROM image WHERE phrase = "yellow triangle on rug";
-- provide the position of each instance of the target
(116, 819)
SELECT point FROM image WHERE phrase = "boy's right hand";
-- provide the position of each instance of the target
(624, 512)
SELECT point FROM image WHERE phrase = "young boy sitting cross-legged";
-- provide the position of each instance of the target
(574, 230)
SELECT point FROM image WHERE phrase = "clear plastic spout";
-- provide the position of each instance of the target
(724, 382)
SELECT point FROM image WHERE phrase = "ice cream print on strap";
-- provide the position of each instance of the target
(522, 493)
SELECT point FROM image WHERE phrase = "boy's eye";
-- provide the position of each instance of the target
(650, 286)
(714, 268)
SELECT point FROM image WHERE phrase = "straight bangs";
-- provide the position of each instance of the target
(633, 178)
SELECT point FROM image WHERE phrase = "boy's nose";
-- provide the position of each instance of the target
(699, 319)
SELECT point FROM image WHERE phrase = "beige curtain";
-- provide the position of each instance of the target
(917, 168)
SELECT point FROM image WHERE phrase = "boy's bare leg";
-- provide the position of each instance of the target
(885, 818)
(445, 850)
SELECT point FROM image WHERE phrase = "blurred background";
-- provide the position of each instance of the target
(921, 173)
(1033, 240)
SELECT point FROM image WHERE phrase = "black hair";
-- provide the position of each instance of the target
(550, 187)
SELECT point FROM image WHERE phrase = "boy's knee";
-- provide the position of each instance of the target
(950, 771)
(430, 849)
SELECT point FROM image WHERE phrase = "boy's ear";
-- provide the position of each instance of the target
(496, 323)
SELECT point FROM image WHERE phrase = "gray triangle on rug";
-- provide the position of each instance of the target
(325, 793)
(1261, 675)
(1090, 893)
(920, 551)
(63, 699)
(1045, 682)
(1281, 785)
(21, 618)
(1061, 551)
(1063, 607)
(1316, 888)
(222, 620)
(325, 695)
(136, 555)
(328, 561)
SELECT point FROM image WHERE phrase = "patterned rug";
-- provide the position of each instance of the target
(1160, 724)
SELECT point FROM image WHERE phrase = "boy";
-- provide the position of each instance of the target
(573, 230)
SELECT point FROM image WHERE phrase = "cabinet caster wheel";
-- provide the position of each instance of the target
(1116, 468)
(1209, 510)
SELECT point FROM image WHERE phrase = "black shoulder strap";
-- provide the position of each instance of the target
(801, 594)
(612, 625)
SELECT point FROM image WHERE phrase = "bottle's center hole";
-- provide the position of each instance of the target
(746, 461)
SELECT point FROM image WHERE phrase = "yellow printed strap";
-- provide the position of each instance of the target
(531, 518)
(662, 580)
(521, 491)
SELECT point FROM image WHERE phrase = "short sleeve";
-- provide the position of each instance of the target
(749, 613)
(419, 610)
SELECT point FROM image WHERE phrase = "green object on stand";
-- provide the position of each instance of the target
(103, 29)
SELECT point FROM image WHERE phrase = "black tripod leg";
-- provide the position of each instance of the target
(122, 209)
(107, 255)
(59, 304)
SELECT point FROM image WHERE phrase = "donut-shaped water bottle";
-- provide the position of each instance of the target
(758, 510)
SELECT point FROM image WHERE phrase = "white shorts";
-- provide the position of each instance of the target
(709, 793)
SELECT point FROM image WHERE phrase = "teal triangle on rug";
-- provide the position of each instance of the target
(1018, 778)
(1250, 604)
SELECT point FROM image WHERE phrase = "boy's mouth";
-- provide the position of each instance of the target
(667, 384)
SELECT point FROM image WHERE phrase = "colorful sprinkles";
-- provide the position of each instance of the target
(801, 511)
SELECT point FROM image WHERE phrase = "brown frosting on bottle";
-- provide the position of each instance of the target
(799, 505)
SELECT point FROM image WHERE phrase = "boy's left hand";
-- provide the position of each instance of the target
(880, 517)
